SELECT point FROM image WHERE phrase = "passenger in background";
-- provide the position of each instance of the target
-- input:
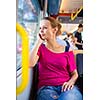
(78, 35)
(57, 68)
(72, 40)
(61, 39)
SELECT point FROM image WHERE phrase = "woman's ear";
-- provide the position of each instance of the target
(55, 29)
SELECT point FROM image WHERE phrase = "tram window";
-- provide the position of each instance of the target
(29, 19)
(18, 51)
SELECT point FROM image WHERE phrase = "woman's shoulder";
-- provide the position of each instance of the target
(41, 47)
(69, 53)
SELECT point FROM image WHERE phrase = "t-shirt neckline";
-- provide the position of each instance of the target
(54, 52)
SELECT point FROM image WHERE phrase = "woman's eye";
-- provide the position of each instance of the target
(45, 27)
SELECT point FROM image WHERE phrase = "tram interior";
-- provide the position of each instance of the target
(29, 14)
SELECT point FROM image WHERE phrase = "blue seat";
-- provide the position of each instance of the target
(79, 63)
(34, 85)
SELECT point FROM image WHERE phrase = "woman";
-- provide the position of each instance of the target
(57, 69)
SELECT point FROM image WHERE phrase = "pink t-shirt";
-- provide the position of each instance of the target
(54, 68)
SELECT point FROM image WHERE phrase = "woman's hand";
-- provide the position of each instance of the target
(67, 85)
(70, 84)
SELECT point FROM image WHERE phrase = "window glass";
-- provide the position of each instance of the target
(29, 18)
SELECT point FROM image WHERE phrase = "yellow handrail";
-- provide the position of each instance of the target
(25, 58)
(74, 16)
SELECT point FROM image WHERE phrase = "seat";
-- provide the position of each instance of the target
(79, 63)
(34, 85)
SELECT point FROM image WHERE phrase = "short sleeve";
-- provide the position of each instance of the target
(71, 62)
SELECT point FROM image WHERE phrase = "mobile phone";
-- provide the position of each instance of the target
(41, 37)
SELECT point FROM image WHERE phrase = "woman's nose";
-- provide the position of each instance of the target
(41, 30)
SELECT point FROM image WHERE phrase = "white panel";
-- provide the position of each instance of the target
(69, 6)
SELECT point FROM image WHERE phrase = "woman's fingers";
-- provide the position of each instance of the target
(63, 86)
(70, 87)
(67, 86)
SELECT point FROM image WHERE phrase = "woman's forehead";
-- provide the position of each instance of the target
(45, 22)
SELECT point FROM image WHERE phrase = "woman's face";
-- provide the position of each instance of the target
(46, 30)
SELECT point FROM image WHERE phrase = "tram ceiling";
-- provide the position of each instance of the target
(58, 7)
(53, 6)
(71, 11)
(70, 6)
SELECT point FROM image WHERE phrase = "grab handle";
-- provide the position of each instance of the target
(25, 58)
(74, 16)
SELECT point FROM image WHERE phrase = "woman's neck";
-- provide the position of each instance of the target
(52, 44)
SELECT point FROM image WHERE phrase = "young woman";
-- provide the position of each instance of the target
(57, 69)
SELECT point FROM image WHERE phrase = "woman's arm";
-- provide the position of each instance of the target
(74, 77)
(33, 56)
(70, 84)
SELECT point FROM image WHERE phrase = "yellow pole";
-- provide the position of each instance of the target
(25, 58)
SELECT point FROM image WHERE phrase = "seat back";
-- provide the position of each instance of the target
(34, 86)
(79, 63)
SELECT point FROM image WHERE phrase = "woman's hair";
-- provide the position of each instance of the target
(54, 23)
